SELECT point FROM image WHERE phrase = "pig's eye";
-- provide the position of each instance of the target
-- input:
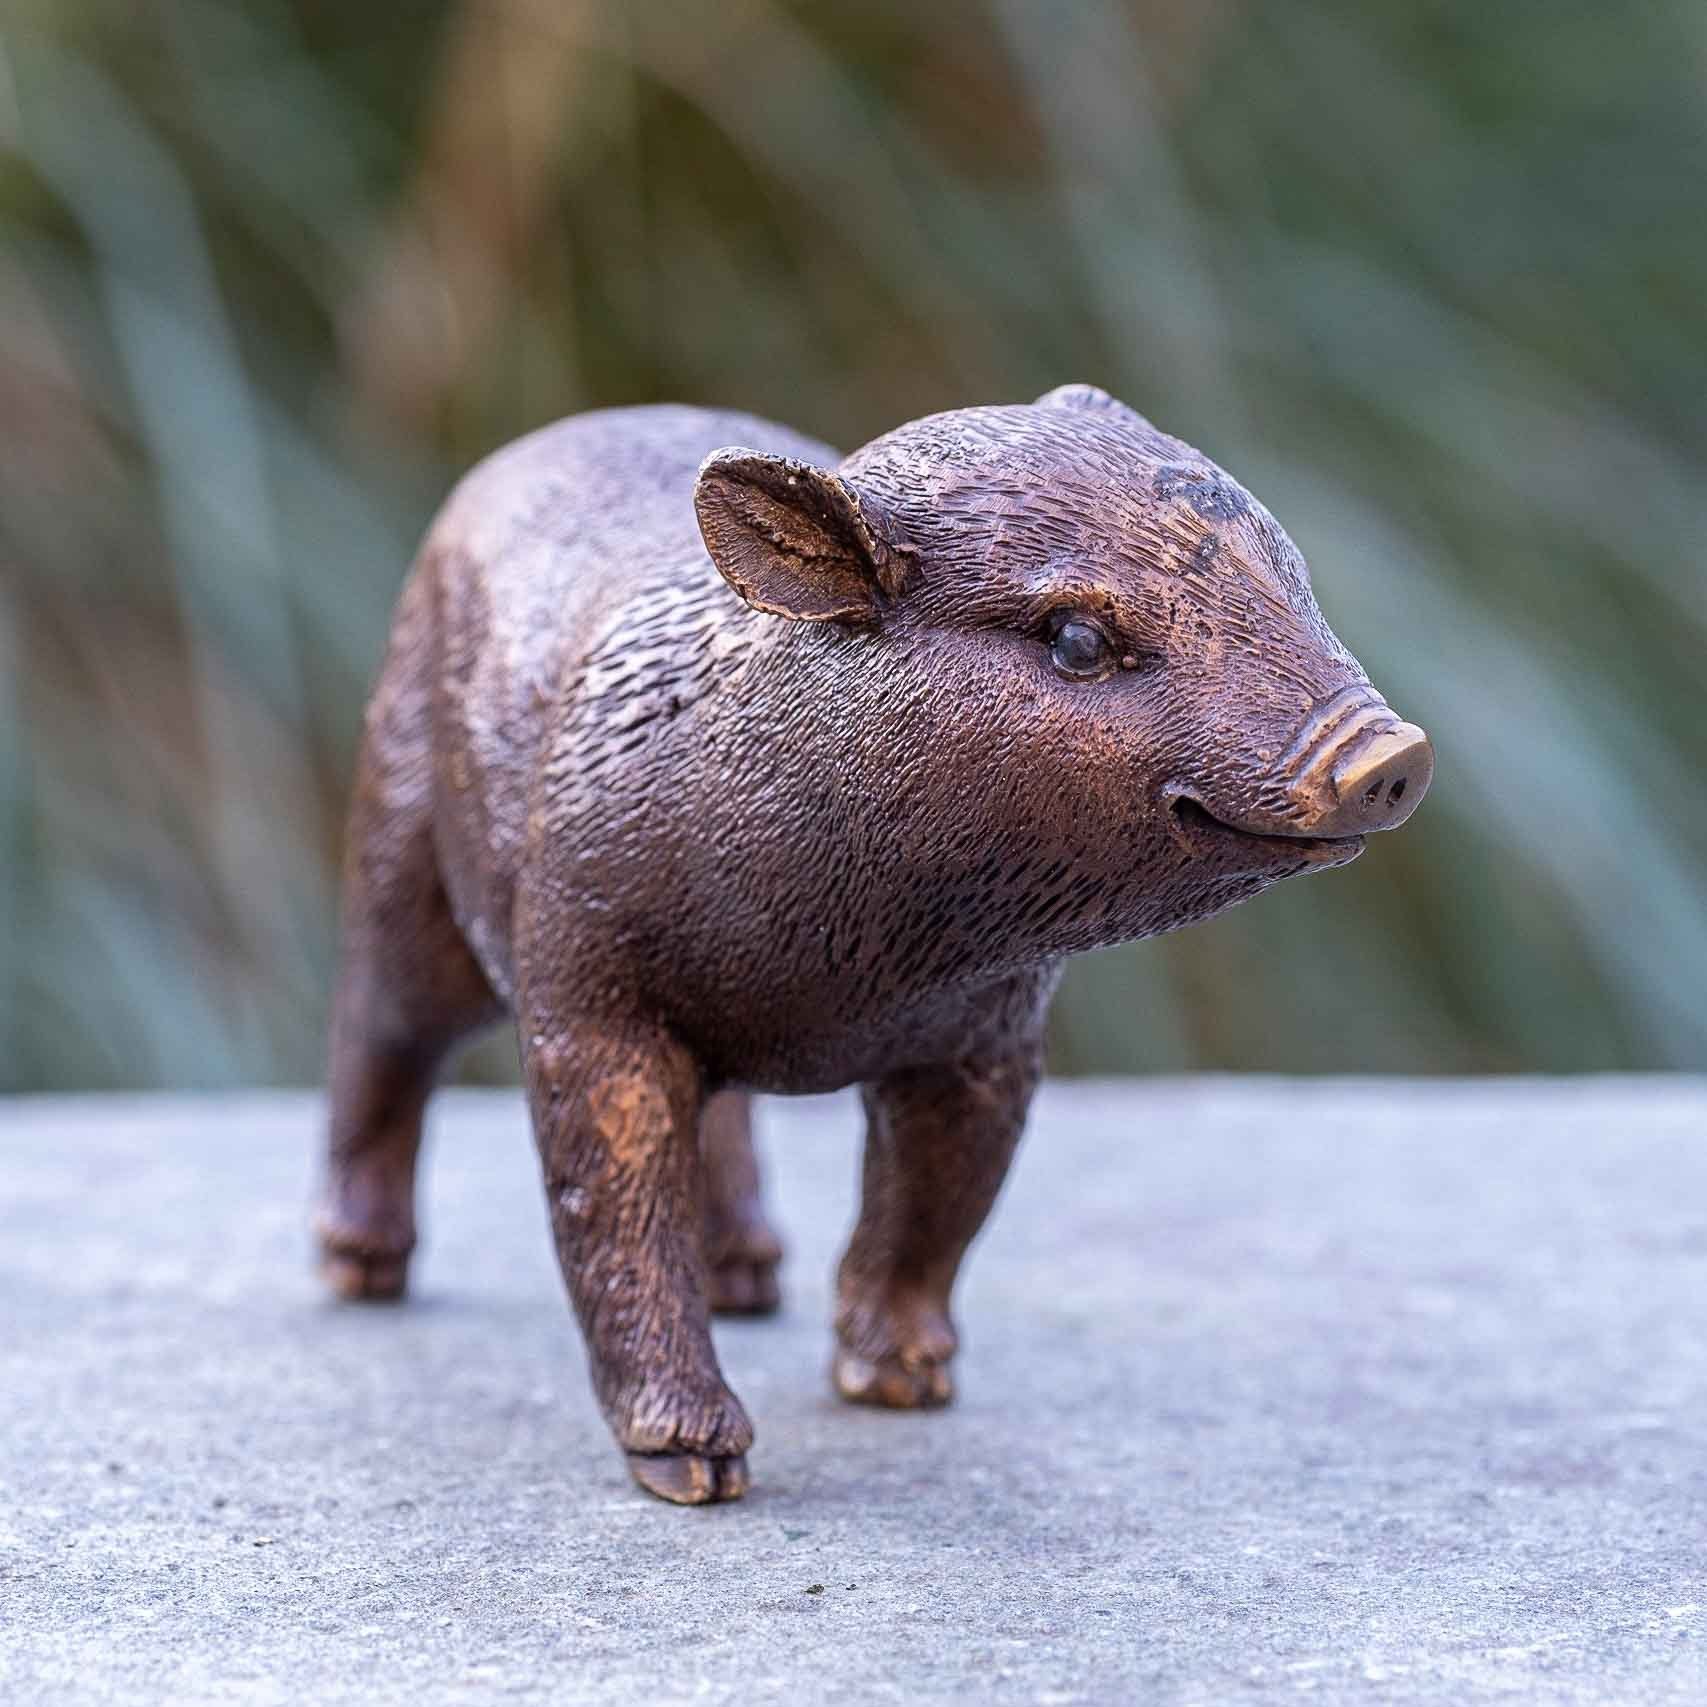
(1080, 649)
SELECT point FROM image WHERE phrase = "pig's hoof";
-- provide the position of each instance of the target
(741, 1260)
(365, 1278)
(684, 1479)
(742, 1286)
(897, 1382)
(360, 1272)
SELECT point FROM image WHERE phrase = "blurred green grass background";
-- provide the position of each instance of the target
(1431, 278)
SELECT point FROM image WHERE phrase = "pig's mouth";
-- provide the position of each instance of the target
(1204, 836)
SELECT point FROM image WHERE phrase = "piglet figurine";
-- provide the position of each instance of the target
(725, 764)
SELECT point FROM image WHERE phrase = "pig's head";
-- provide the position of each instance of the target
(1076, 669)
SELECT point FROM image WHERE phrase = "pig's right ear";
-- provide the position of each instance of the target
(795, 540)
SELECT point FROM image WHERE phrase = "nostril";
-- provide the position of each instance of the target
(1372, 795)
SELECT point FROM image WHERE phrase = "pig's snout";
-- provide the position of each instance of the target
(1357, 767)
(1377, 787)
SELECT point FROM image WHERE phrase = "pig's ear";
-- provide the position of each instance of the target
(1091, 397)
(797, 541)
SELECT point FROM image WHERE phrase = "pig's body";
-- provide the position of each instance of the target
(721, 771)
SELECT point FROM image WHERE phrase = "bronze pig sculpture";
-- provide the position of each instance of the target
(760, 769)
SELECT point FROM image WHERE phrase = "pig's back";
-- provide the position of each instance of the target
(536, 551)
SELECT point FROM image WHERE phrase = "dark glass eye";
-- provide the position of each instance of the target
(1080, 649)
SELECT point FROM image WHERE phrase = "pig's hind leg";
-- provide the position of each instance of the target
(741, 1249)
(407, 993)
(408, 990)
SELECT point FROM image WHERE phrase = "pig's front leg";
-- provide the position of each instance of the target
(615, 1112)
(938, 1143)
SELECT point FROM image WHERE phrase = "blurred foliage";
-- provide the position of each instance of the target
(1431, 278)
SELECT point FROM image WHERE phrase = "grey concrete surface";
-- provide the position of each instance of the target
(1355, 1392)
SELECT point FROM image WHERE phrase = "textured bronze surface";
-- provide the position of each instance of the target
(818, 791)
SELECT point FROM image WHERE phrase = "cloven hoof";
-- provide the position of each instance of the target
(890, 1382)
(684, 1479)
(363, 1277)
(742, 1288)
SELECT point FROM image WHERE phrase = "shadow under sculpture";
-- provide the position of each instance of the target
(759, 769)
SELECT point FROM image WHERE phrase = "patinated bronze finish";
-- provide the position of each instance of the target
(733, 769)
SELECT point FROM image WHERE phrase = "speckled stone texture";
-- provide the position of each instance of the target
(1347, 1392)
